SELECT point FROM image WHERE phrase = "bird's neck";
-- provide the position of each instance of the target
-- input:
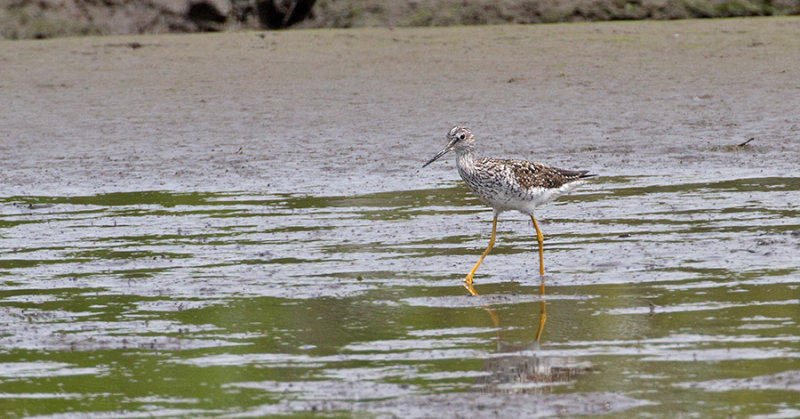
(465, 159)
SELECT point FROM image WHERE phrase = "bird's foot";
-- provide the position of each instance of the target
(468, 285)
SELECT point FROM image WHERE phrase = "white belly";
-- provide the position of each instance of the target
(522, 200)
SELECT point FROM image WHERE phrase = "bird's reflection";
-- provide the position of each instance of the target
(525, 370)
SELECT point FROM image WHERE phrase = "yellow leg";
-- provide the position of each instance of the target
(543, 314)
(540, 238)
(468, 280)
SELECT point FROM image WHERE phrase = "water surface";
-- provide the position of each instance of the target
(241, 304)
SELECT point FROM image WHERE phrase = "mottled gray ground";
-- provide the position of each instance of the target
(345, 111)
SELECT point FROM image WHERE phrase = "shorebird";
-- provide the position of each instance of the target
(507, 185)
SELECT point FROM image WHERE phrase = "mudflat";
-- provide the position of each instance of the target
(301, 110)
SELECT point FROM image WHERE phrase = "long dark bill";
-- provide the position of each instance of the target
(440, 154)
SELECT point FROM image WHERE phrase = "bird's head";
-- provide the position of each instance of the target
(459, 139)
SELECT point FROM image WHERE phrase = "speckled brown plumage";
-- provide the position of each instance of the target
(530, 174)
(507, 184)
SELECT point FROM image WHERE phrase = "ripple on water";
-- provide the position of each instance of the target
(291, 303)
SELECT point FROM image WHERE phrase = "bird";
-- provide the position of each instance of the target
(507, 185)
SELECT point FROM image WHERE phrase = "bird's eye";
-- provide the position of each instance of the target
(461, 137)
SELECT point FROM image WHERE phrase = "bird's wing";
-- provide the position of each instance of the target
(533, 174)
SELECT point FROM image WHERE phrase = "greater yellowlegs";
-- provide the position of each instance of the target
(508, 185)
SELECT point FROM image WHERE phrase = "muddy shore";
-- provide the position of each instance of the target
(299, 111)
(52, 19)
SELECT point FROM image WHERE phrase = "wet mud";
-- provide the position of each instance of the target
(185, 238)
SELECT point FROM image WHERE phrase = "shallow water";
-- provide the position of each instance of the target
(661, 297)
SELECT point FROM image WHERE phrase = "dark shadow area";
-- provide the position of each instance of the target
(278, 14)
